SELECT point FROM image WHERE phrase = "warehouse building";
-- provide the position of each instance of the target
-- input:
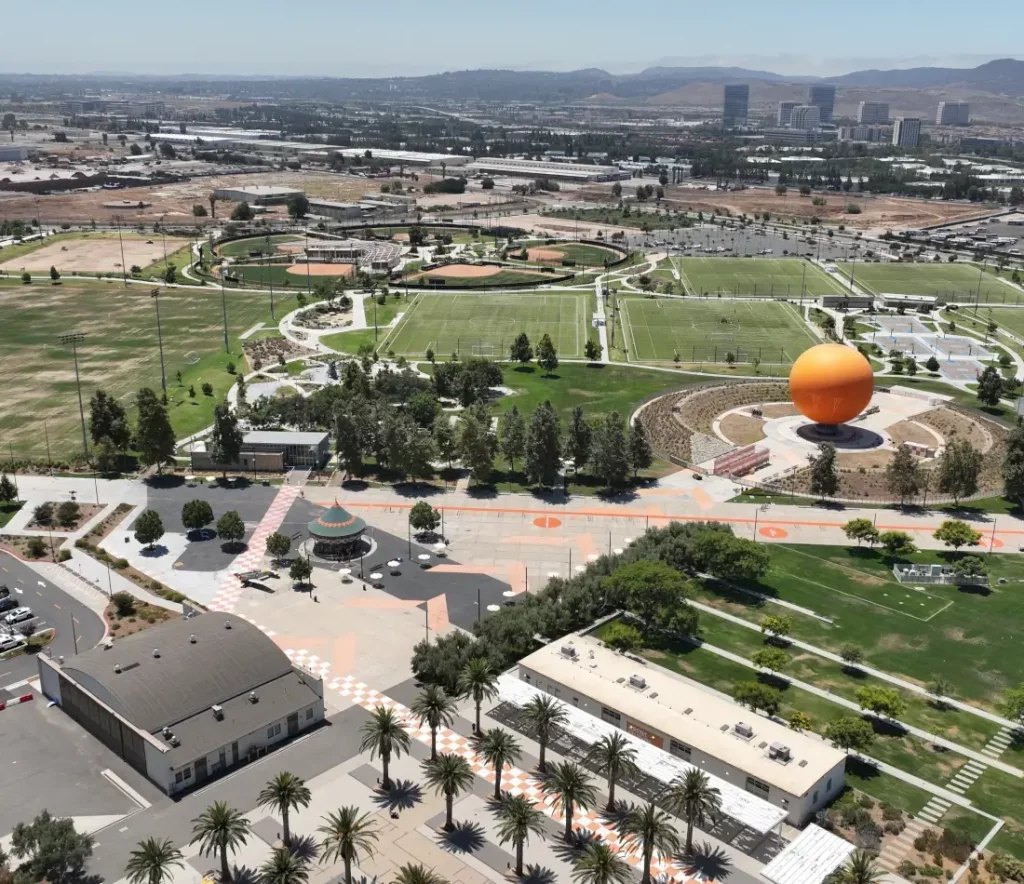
(258, 194)
(335, 210)
(795, 772)
(546, 169)
(187, 700)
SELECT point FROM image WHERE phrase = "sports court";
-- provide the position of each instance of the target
(950, 282)
(705, 331)
(755, 277)
(484, 325)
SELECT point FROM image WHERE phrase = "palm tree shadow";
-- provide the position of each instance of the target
(537, 875)
(244, 875)
(570, 851)
(304, 847)
(616, 815)
(403, 795)
(706, 862)
(463, 837)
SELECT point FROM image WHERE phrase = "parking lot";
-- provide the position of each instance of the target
(752, 241)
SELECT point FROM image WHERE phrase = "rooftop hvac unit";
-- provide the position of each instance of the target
(744, 730)
(638, 682)
(227, 624)
(167, 733)
(218, 712)
(156, 652)
(173, 740)
(117, 667)
(252, 697)
(569, 651)
(779, 752)
(192, 638)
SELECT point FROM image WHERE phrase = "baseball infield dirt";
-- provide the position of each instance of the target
(465, 271)
(322, 269)
(545, 255)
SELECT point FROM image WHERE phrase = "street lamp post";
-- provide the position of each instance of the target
(74, 339)
(120, 241)
(224, 308)
(155, 295)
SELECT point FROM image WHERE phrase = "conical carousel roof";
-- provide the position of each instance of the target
(336, 522)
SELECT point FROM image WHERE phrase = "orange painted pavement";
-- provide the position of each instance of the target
(547, 522)
(387, 604)
(774, 533)
(586, 544)
(517, 576)
(437, 613)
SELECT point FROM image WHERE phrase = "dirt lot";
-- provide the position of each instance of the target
(173, 202)
(742, 430)
(93, 254)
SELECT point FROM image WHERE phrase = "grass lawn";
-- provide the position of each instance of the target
(180, 259)
(119, 354)
(1009, 318)
(963, 635)
(240, 248)
(8, 511)
(475, 324)
(288, 277)
(511, 276)
(583, 254)
(702, 330)
(766, 277)
(951, 282)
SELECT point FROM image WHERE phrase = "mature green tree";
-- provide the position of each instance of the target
(285, 793)
(647, 588)
(424, 408)
(776, 626)
(8, 490)
(300, 571)
(547, 356)
(446, 441)
(450, 775)
(578, 436)
(196, 515)
(861, 868)
(543, 713)
(543, 446)
(896, 544)
(423, 517)
(68, 513)
(518, 819)
(956, 533)
(149, 528)
(851, 655)
(1013, 464)
(772, 659)
(478, 681)
(959, 469)
(861, 530)
(347, 835)
(434, 708)
(218, 829)
(284, 867)
(904, 476)
(154, 437)
(757, 696)
(108, 421)
(600, 864)
(570, 787)
(414, 873)
(698, 802)
(512, 437)
(969, 567)
(152, 862)
(641, 455)
(230, 527)
(349, 441)
(610, 451)
(800, 721)
(497, 747)
(278, 545)
(824, 472)
(225, 438)
(521, 351)
(476, 449)
(384, 735)
(614, 756)
(932, 364)
(881, 701)
(990, 386)
(592, 350)
(51, 850)
(242, 212)
(646, 830)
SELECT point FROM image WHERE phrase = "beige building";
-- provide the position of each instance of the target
(796, 772)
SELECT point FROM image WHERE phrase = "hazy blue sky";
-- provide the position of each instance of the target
(395, 37)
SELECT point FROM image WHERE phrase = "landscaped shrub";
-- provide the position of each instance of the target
(124, 603)
(623, 637)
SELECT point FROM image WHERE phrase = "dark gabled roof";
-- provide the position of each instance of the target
(228, 658)
(336, 522)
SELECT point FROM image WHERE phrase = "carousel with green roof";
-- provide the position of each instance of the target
(337, 535)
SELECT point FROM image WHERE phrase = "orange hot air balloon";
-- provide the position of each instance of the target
(831, 383)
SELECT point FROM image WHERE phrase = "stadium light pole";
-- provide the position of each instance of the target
(224, 309)
(271, 277)
(155, 295)
(309, 289)
(120, 241)
(74, 339)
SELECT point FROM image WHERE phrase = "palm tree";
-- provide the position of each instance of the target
(543, 712)
(599, 864)
(861, 868)
(283, 793)
(346, 836)
(450, 775)
(648, 830)
(434, 708)
(383, 735)
(497, 747)
(614, 755)
(284, 867)
(414, 873)
(151, 863)
(519, 819)
(477, 680)
(571, 788)
(218, 829)
(694, 798)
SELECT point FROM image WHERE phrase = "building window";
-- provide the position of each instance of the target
(677, 748)
(270, 733)
(188, 773)
(178, 777)
(610, 715)
(756, 787)
(828, 785)
(814, 797)
(309, 713)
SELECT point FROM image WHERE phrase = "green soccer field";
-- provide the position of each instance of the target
(1010, 318)
(484, 325)
(706, 330)
(951, 282)
(761, 277)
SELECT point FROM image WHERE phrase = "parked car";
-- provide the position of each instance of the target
(19, 614)
(10, 642)
(8, 603)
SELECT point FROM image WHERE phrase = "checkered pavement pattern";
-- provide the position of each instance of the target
(310, 662)
(230, 589)
(513, 780)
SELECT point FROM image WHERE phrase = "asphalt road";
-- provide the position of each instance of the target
(54, 608)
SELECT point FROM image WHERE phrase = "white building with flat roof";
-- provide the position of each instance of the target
(547, 169)
(796, 772)
(257, 194)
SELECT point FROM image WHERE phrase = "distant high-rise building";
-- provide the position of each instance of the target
(871, 112)
(736, 105)
(824, 99)
(953, 113)
(805, 116)
(786, 111)
(906, 132)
